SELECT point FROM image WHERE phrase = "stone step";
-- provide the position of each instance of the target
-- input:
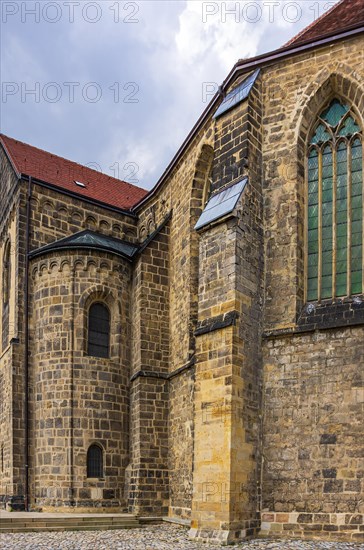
(23, 524)
(67, 528)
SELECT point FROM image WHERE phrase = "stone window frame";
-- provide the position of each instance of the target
(340, 83)
(104, 295)
(343, 84)
(333, 143)
(103, 461)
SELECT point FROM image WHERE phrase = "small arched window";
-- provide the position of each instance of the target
(335, 205)
(98, 330)
(6, 273)
(95, 466)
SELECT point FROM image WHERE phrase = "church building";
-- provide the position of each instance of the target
(197, 351)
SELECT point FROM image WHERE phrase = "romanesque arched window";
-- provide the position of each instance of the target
(98, 330)
(95, 466)
(335, 205)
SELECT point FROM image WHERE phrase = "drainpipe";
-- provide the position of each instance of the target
(26, 338)
(72, 390)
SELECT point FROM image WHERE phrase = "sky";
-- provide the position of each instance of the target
(118, 85)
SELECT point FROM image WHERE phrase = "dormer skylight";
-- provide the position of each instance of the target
(80, 184)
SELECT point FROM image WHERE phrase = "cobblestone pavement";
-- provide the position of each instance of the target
(158, 537)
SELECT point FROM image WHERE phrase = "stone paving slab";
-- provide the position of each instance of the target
(157, 537)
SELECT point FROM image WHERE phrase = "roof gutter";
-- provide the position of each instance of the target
(241, 67)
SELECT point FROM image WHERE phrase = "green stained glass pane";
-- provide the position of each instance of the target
(313, 235)
(313, 159)
(356, 189)
(313, 222)
(312, 268)
(357, 213)
(341, 216)
(357, 281)
(349, 127)
(326, 232)
(356, 288)
(341, 255)
(327, 184)
(326, 213)
(327, 195)
(334, 113)
(313, 176)
(341, 284)
(356, 165)
(312, 289)
(356, 226)
(356, 148)
(341, 205)
(340, 267)
(356, 253)
(356, 239)
(327, 268)
(326, 245)
(342, 230)
(313, 211)
(341, 152)
(321, 135)
(312, 246)
(356, 264)
(326, 289)
(356, 177)
(341, 290)
(312, 260)
(313, 189)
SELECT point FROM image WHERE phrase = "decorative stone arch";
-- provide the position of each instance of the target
(101, 294)
(345, 86)
(199, 194)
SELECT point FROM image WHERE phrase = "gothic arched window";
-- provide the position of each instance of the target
(95, 466)
(98, 330)
(335, 205)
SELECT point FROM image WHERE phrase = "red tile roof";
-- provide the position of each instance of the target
(63, 173)
(342, 16)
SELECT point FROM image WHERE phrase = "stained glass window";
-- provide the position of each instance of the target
(335, 205)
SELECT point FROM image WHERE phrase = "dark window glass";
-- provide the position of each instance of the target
(98, 330)
(94, 462)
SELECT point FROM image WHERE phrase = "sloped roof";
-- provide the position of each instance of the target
(342, 16)
(88, 239)
(63, 173)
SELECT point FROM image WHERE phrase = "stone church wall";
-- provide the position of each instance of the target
(312, 394)
(313, 428)
(76, 399)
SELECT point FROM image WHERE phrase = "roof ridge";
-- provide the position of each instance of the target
(68, 160)
(313, 24)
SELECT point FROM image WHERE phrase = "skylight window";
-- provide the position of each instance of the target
(80, 184)
(221, 204)
(237, 95)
